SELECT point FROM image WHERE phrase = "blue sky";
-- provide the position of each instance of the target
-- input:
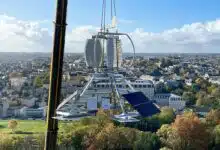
(152, 15)
(155, 25)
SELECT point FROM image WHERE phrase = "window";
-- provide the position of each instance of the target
(144, 86)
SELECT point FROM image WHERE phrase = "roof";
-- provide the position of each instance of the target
(202, 109)
(167, 95)
(162, 94)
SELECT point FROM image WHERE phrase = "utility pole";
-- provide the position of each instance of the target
(56, 74)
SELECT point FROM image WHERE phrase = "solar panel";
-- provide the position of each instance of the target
(141, 103)
(136, 98)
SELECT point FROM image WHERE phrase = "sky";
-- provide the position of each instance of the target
(156, 26)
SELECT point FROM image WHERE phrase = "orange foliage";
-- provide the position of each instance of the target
(213, 117)
(192, 131)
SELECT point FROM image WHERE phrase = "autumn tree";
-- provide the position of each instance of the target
(110, 138)
(169, 137)
(192, 131)
(213, 117)
(12, 124)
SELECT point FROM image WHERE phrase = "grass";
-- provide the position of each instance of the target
(35, 126)
(27, 127)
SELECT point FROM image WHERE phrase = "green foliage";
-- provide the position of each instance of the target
(187, 132)
(41, 79)
(217, 137)
(154, 122)
(166, 116)
(168, 136)
(213, 117)
(147, 140)
(38, 82)
(189, 97)
(34, 126)
(178, 91)
(9, 142)
(45, 78)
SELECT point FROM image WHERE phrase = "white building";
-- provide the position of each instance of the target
(188, 82)
(176, 102)
(171, 100)
(32, 112)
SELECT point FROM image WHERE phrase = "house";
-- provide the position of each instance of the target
(202, 111)
(188, 82)
(32, 112)
(176, 102)
(168, 99)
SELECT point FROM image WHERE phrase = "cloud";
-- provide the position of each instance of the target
(30, 36)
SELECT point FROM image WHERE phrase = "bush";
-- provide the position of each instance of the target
(12, 124)
(9, 142)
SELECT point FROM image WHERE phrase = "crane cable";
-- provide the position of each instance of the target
(103, 16)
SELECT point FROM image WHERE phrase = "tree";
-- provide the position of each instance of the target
(213, 117)
(189, 97)
(186, 133)
(178, 91)
(216, 92)
(46, 78)
(110, 138)
(211, 88)
(38, 82)
(12, 124)
(199, 102)
(192, 131)
(166, 115)
(201, 95)
(168, 137)
(147, 140)
(217, 137)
